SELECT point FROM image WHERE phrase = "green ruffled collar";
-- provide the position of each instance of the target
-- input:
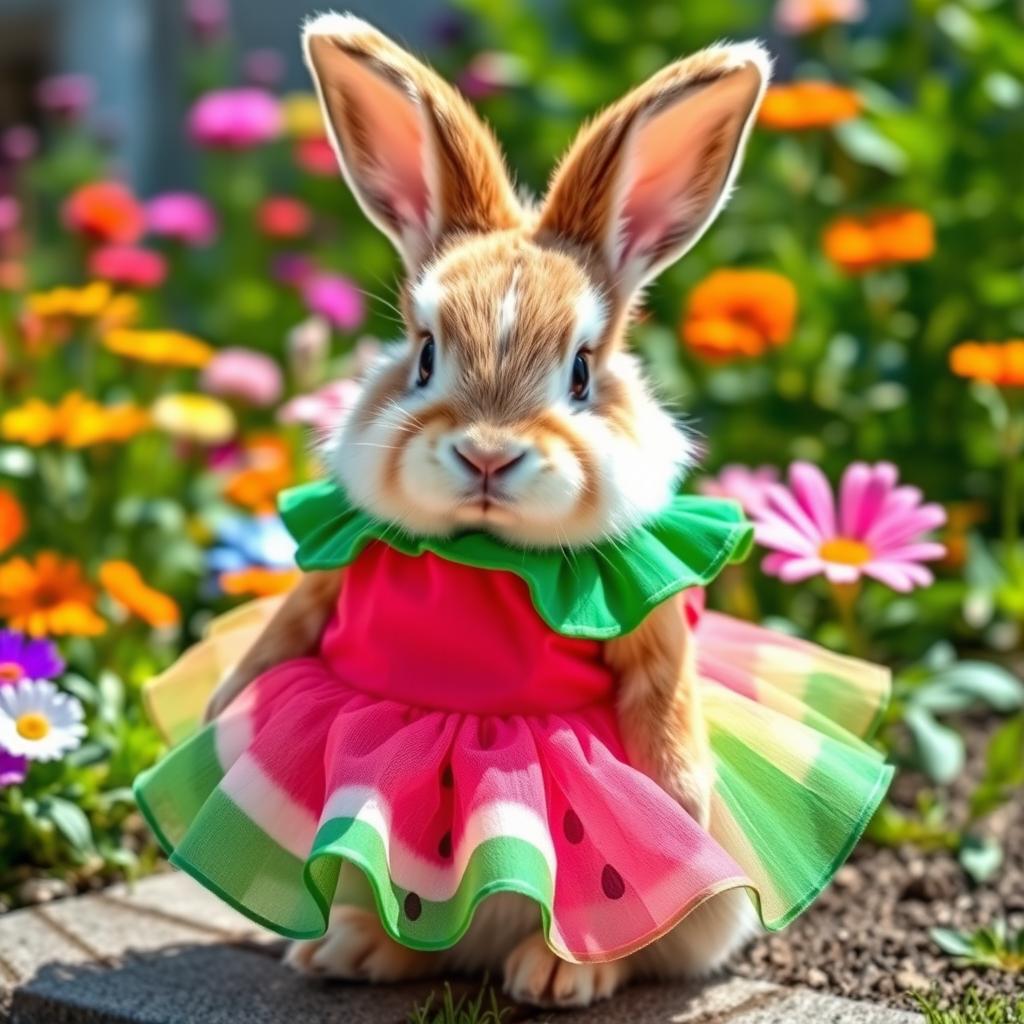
(600, 591)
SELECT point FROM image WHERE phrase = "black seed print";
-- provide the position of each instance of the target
(572, 827)
(413, 906)
(444, 848)
(446, 777)
(612, 884)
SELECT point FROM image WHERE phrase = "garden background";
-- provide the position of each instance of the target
(173, 336)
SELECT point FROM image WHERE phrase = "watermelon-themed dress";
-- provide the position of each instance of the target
(455, 736)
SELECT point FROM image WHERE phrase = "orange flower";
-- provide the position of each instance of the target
(886, 236)
(162, 348)
(739, 313)
(125, 585)
(1000, 363)
(48, 597)
(12, 520)
(77, 422)
(257, 581)
(804, 105)
(105, 211)
(268, 471)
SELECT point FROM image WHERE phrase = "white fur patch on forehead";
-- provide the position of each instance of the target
(507, 313)
(591, 318)
(427, 295)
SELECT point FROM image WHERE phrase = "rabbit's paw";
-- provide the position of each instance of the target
(356, 948)
(535, 975)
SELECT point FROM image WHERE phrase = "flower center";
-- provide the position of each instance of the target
(32, 725)
(10, 672)
(846, 551)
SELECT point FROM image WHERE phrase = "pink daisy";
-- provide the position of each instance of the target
(747, 485)
(877, 530)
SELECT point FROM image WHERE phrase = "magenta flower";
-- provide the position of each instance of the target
(128, 265)
(183, 217)
(877, 531)
(235, 119)
(245, 374)
(22, 657)
(264, 68)
(12, 769)
(208, 19)
(743, 484)
(67, 96)
(335, 298)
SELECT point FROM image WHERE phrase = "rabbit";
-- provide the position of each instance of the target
(514, 406)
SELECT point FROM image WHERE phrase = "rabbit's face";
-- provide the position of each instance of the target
(512, 408)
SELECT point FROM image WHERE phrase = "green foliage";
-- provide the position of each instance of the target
(994, 947)
(972, 1009)
(484, 1008)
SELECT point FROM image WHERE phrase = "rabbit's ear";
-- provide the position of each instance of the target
(417, 157)
(644, 180)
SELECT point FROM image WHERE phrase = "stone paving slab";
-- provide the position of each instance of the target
(167, 952)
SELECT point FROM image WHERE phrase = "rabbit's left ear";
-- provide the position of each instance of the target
(645, 179)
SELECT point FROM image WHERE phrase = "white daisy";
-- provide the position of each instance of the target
(39, 722)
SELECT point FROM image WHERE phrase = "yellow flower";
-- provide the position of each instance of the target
(83, 303)
(194, 417)
(48, 597)
(164, 348)
(302, 117)
(77, 422)
(125, 585)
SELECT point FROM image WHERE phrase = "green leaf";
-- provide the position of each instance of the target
(940, 750)
(985, 681)
(867, 145)
(70, 821)
(980, 857)
(953, 942)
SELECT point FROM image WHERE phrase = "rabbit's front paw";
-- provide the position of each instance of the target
(691, 784)
(535, 975)
(356, 948)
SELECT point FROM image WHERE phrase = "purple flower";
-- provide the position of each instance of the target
(234, 119)
(19, 143)
(292, 269)
(12, 769)
(207, 19)
(182, 216)
(24, 658)
(67, 96)
(336, 298)
(264, 68)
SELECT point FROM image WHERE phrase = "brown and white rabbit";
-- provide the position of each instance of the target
(515, 407)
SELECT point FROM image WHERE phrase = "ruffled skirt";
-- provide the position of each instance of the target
(308, 793)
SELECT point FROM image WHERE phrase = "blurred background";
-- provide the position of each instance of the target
(188, 293)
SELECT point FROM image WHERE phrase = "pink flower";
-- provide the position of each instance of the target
(743, 484)
(245, 374)
(336, 298)
(234, 119)
(19, 143)
(878, 530)
(129, 266)
(316, 157)
(183, 217)
(67, 96)
(324, 409)
(798, 16)
(10, 214)
(282, 217)
(490, 73)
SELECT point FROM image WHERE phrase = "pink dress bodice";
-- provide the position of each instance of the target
(432, 633)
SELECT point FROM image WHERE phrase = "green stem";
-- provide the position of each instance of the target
(845, 596)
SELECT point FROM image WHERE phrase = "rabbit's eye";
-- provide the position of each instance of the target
(426, 368)
(580, 387)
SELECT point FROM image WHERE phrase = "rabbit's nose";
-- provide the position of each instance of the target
(490, 461)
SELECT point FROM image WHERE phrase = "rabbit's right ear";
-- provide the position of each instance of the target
(419, 160)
